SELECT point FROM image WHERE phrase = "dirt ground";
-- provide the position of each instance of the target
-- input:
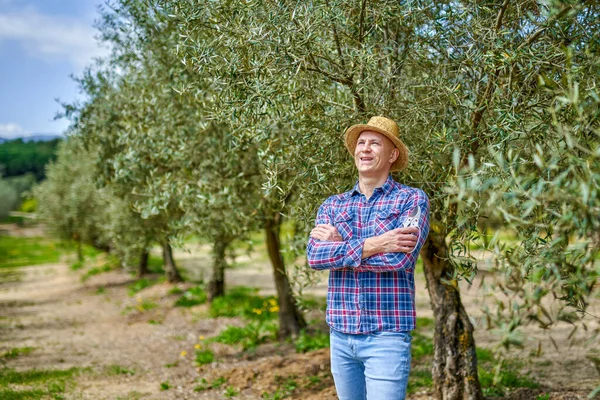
(74, 324)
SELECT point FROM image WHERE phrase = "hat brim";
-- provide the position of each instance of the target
(352, 134)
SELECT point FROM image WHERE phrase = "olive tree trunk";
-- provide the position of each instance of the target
(216, 286)
(291, 320)
(143, 265)
(455, 360)
(169, 264)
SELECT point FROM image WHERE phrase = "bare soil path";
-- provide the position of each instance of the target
(129, 353)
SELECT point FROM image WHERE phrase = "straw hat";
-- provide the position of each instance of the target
(387, 128)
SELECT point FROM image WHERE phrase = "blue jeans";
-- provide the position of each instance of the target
(372, 366)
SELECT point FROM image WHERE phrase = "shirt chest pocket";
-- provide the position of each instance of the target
(343, 223)
(386, 220)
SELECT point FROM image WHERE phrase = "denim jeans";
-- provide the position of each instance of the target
(372, 366)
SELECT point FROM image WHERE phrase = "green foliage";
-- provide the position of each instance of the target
(421, 346)
(205, 385)
(29, 206)
(192, 297)
(285, 389)
(419, 379)
(230, 392)
(97, 271)
(119, 370)
(18, 157)
(244, 302)
(139, 285)
(309, 342)
(204, 356)
(21, 251)
(18, 351)
(34, 384)
(249, 336)
(165, 386)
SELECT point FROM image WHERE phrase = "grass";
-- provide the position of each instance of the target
(205, 385)
(22, 251)
(309, 342)
(110, 264)
(141, 284)
(35, 384)
(231, 392)
(17, 351)
(191, 297)
(249, 336)
(118, 370)
(204, 356)
(245, 302)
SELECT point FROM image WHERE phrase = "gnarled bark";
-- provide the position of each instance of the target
(291, 320)
(455, 360)
(216, 286)
(169, 264)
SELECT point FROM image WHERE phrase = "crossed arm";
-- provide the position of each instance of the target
(393, 250)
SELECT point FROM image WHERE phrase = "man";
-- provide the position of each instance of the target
(369, 238)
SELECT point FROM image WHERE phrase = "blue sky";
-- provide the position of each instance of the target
(42, 42)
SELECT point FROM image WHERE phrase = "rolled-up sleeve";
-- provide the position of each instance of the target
(383, 262)
(323, 254)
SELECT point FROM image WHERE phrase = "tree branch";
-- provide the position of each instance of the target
(361, 23)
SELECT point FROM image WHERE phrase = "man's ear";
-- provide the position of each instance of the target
(394, 155)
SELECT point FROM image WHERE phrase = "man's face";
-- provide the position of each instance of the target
(374, 154)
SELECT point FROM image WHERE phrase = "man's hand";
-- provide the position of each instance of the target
(395, 241)
(326, 232)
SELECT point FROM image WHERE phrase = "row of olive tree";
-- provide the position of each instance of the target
(469, 83)
(219, 118)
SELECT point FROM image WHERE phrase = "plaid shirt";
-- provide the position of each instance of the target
(377, 293)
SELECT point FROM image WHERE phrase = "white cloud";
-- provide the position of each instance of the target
(51, 37)
(11, 131)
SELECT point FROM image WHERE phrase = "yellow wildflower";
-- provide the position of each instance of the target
(273, 302)
(183, 353)
(257, 311)
(274, 309)
(197, 345)
(201, 337)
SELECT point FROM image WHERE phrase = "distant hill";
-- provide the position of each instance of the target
(37, 137)
(28, 155)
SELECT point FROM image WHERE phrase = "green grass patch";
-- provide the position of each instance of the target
(139, 285)
(119, 370)
(141, 306)
(192, 297)
(204, 356)
(422, 346)
(231, 392)
(175, 291)
(17, 351)
(34, 384)
(419, 379)
(205, 385)
(155, 265)
(285, 388)
(309, 342)
(96, 271)
(497, 382)
(249, 336)
(245, 302)
(21, 251)
(165, 385)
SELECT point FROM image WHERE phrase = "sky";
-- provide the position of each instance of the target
(43, 43)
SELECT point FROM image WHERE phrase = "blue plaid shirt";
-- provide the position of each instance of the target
(377, 293)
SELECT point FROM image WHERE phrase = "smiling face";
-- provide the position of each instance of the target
(374, 154)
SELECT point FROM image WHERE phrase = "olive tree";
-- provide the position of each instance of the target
(459, 77)
(68, 201)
